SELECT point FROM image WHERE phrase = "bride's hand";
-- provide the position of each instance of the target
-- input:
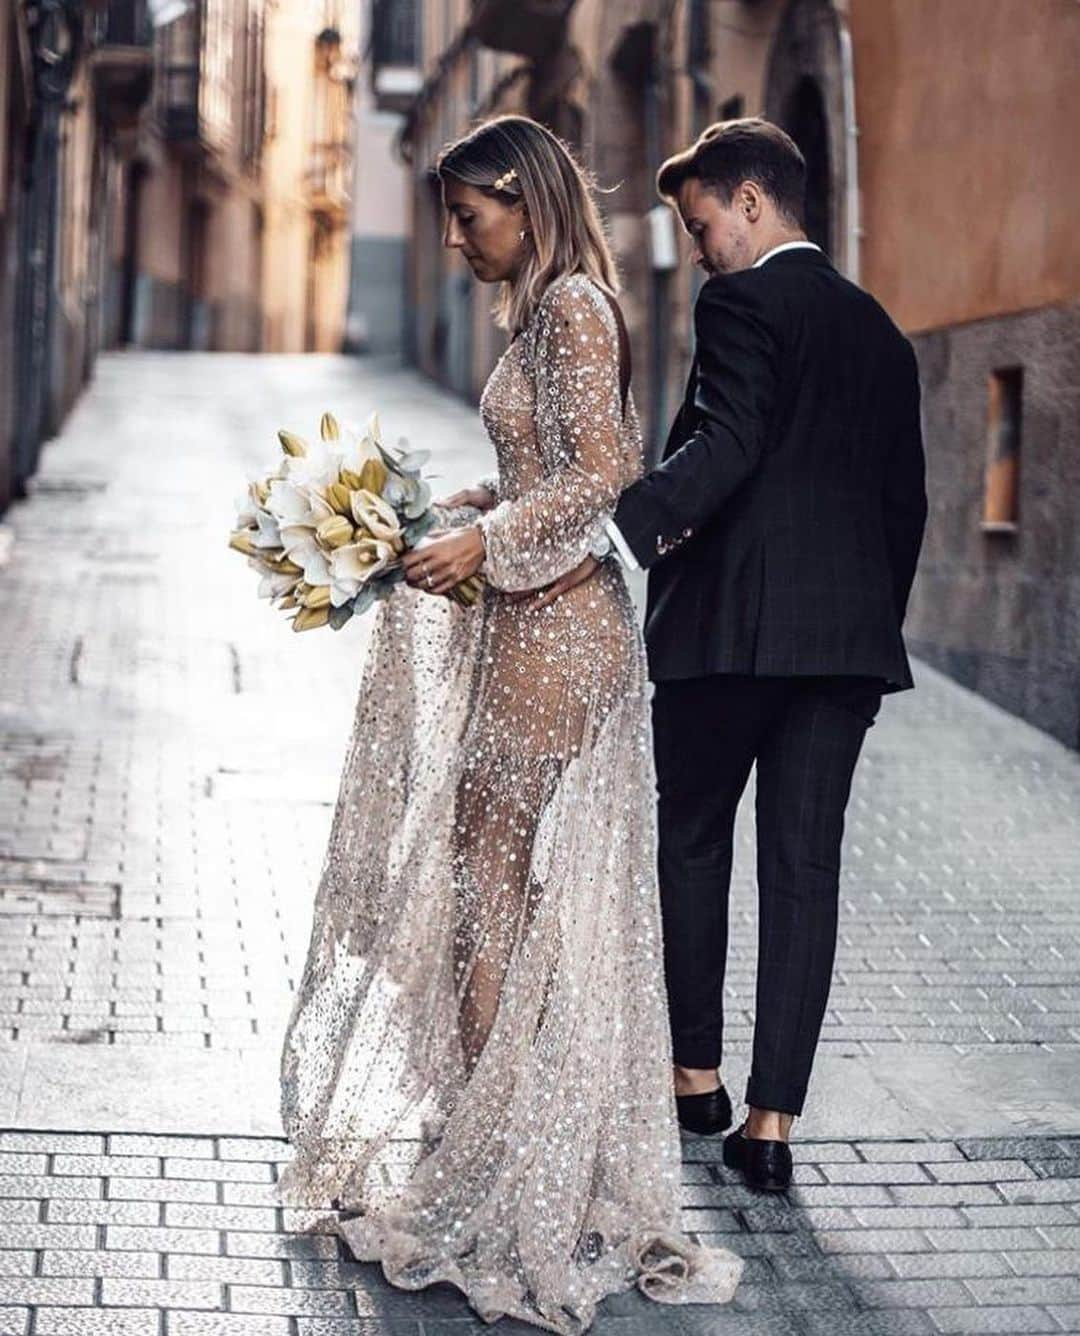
(445, 559)
(478, 497)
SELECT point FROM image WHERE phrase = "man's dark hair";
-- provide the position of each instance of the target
(731, 152)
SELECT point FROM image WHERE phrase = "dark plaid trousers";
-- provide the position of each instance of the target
(804, 734)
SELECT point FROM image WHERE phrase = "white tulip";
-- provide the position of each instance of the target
(301, 546)
(376, 516)
(353, 565)
(292, 504)
(318, 468)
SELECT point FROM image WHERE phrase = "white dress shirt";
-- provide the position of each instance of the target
(617, 540)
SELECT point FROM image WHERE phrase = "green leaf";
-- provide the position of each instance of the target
(415, 530)
(340, 615)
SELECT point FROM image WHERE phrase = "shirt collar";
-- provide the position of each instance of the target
(786, 246)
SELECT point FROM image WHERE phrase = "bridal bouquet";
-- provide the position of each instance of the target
(326, 530)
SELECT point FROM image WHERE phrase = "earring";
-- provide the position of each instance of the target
(522, 235)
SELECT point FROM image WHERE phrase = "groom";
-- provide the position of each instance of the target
(781, 531)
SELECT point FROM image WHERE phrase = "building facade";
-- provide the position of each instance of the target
(312, 66)
(73, 81)
(936, 138)
(188, 260)
(17, 107)
(389, 82)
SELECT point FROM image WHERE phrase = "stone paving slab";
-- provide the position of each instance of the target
(814, 1262)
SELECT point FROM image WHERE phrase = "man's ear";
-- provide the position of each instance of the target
(751, 199)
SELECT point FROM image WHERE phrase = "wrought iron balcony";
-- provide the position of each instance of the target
(121, 60)
(179, 101)
(525, 27)
(396, 76)
(193, 92)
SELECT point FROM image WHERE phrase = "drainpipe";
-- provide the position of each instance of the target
(852, 222)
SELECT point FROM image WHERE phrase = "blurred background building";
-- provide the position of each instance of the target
(174, 174)
(391, 79)
(312, 63)
(254, 175)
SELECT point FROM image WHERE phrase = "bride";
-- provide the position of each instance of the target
(477, 1067)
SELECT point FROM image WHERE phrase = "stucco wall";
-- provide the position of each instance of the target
(968, 114)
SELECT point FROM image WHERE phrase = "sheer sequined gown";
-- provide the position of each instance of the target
(477, 1064)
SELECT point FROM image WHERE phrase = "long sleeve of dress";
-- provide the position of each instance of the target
(547, 530)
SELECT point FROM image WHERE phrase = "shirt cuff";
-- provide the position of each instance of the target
(625, 555)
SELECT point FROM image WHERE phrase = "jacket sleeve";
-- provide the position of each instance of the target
(738, 366)
(903, 500)
(538, 536)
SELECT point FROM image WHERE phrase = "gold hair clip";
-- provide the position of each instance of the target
(503, 181)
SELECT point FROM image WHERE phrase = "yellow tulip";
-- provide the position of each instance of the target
(240, 541)
(373, 475)
(340, 498)
(287, 567)
(351, 479)
(288, 601)
(262, 492)
(317, 597)
(291, 443)
(334, 531)
(307, 619)
(328, 427)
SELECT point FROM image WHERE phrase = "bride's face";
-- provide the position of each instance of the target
(485, 230)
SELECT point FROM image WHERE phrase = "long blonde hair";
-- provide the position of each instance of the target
(568, 234)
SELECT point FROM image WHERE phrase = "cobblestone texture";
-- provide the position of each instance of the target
(157, 725)
(899, 1272)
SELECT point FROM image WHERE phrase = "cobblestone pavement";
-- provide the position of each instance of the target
(137, 1234)
(168, 765)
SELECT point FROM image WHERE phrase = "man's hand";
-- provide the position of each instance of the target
(543, 598)
(479, 497)
(445, 560)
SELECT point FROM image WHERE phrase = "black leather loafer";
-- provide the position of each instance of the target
(707, 1114)
(765, 1165)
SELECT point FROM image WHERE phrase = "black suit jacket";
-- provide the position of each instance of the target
(785, 519)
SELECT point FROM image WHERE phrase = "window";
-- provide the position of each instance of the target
(1001, 503)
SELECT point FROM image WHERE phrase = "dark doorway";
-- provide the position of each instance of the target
(136, 174)
(804, 120)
